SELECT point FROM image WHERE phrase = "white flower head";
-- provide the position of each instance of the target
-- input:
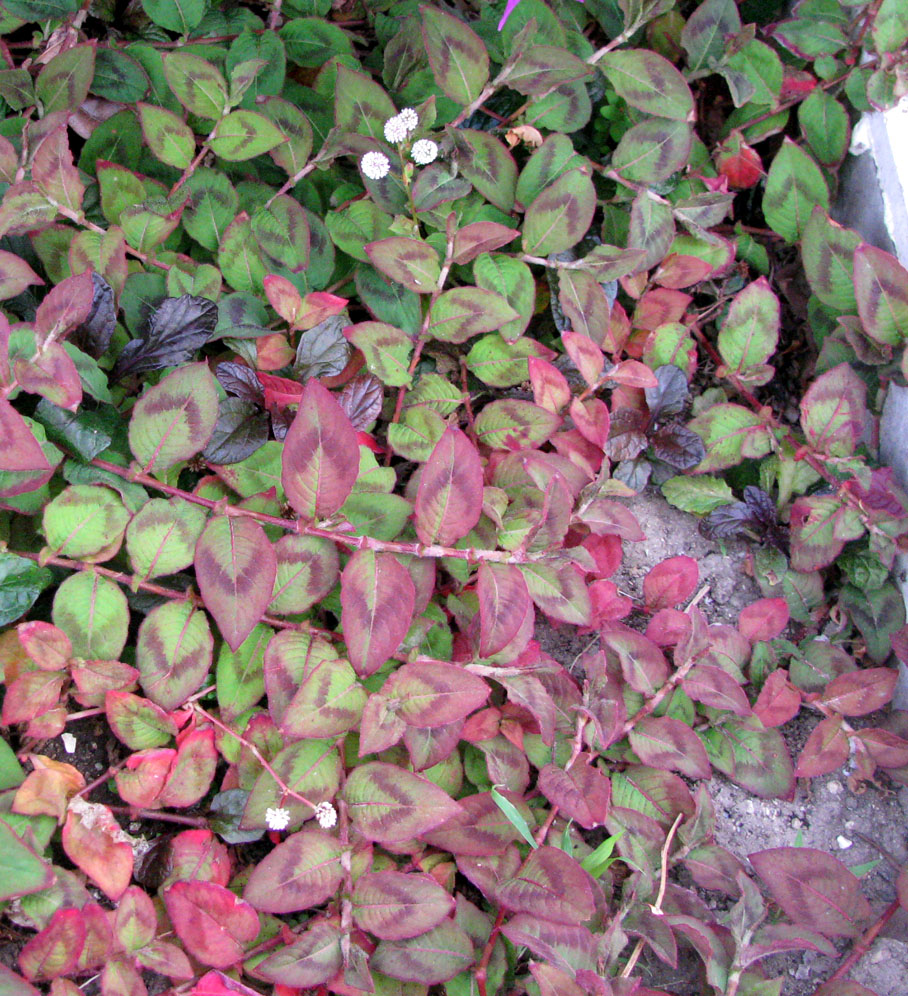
(409, 118)
(277, 819)
(424, 151)
(326, 815)
(375, 165)
(395, 130)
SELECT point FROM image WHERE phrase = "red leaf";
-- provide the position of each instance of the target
(53, 375)
(671, 582)
(550, 386)
(321, 456)
(65, 306)
(826, 749)
(283, 297)
(503, 604)
(20, 450)
(633, 373)
(377, 600)
(213, 923)
(606, 551)
(587, 356)
(737, 161)
(764, 619)
(814, 889)
(669, 745)
(582, 793)
(235, 566)
(549, 881)
(668, 627)
(713, 686)
(778, 700)
(434, 693)
(46, 645)
(192, 769)
(94, 841)
(607, 602)
(449, 499)
(55, 950)
(860, 692)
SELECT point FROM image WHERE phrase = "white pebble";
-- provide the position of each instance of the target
(843, 842)
(69, 742)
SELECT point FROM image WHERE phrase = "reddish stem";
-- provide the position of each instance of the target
(861, 948)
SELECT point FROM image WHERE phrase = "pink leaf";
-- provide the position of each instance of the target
(377, 600)
(670, 582)
(503, 604)
(235, 566)
(211, 921)
(764, 619)
(449, 499)
(321, 455)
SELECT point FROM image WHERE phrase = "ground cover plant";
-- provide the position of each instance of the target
(333, 337)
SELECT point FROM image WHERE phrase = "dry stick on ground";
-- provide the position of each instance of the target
(660, 895)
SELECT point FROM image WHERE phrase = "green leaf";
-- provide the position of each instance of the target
(499, 364)
(299, 873)
(268, 80)
(173, 653)
(85, 522)
(705, 31)
(22, 870)
(240, 675)
(313, 41)
(282, 231)
(118, 77)
(763, 69)
(239, 257)
(514, 817)
(826, 127)
(180, 16)
(834, 411)
(730, 433)
(700, 495)
(511, 279)
(174, 420)
(410, 262)
(213, 206)
(750, 333)
(650, 83)
(169, 138)
(754, 757)
(415, 436)
(387, 351)
(513, 424)
(360, 104)
(828, 257)
(21, 582)
(881, 290)
(242, 135)
(820, 527)
(890, 27)
(63, 84)
(460, 313)
(41, 10)
(539, 68)
(560, 215)
(794, 187)
(653, 150)
(199, 86)
(598, 860)
(356, 225)
(457, 55)
(488, 165)
(307, 569)
(559, 591)
(388, 804)
(93, 613)
(162, 535)
(328, 702)
(292, 154)
(310, 767)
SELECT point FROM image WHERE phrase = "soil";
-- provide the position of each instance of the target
(824, 814)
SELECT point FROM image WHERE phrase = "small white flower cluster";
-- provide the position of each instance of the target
(277, 819)
(326, 815)
(376, 165)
